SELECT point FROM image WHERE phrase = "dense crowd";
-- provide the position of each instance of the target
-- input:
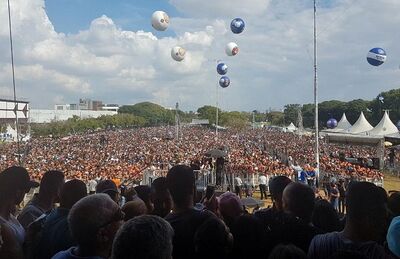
(124, 154)
(169, 220)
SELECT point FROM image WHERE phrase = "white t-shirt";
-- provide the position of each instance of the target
(262, 180)
(238, 181)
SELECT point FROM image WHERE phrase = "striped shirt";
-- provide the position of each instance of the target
(323, 246)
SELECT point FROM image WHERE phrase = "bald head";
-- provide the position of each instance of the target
(134, 208)
(298, 200)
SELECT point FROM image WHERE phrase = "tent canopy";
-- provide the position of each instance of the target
(361, 125)
(384, 127)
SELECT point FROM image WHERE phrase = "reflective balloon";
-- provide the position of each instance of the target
(178, 53)
(237, 25)
(398, 125)
(222, 68)
(331, 123)
(160, 20)
(376, 57)
(224, 81)
(231, 49)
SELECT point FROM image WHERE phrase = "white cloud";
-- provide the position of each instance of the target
(273, 67)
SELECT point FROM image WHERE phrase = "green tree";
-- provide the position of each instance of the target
(208, 112)
(291, 113)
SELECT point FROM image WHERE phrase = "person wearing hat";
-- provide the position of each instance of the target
(110, 188)
(14, 184)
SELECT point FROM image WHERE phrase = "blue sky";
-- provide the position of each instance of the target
(71, 16)
(107, 50)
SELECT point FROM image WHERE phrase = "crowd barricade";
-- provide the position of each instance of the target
(149, 175)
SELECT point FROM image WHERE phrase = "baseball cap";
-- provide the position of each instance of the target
(230, 205)
(106, 186)
(17, 177)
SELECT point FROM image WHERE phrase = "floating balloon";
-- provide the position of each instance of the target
(376, 57)
(160, 20)
(231, 49)
(224, 81)
(398, 125)
(331, 123)
(222, 68)
(178, 53)
(237, 25)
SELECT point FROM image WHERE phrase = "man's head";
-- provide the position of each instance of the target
(144, 193)
(93, 222)
(366, 207)
(14, 184)
(144, 237)
(51, 184)
(110, 188)
(181, 185)
(276, 187)
(299, 200)
(160, 197)
(71, 192)
(134, 208)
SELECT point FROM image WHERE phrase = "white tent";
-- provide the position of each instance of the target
(384, 127)
(361, 125)
(291, 127)
(343, 124)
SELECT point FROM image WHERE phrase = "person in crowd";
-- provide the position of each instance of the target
(325, 217)
(230, 208)
(365, 221)
(44, 201)
(144, 237)
(249, 237)
(110, 188)
(55, 235)
(394, 204)
(93, 222)
(210, 201)
(14, 184)
(298, 203)
(184, 219)
(9, 246)
(213, 240)
(160, 197)
(393, 236)
(144, 193)
(334, 196)
(134, 208)
(238, 186)
(342, 196)
(270, 215)
(263, 186)
(287, 252)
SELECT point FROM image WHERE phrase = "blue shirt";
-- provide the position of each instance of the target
(68, 254)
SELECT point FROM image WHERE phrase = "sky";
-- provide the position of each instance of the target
(107, 50)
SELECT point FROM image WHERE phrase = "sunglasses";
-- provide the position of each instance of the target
(119, 215)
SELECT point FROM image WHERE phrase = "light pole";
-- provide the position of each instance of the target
(316, 91)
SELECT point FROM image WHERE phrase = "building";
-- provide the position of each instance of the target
(110, 107)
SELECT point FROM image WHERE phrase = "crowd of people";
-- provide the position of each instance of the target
(170, 220)
(124, 154)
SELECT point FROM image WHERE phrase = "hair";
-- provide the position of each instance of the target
(51, 183)
(144, 237)
(181, 183)
(299, 200)
(394, 204)
(364, 200)
(276, 186)
(144, 193)
(134, 208)
(325, 216)
(249, 237)
(161, 197)
(88, 215)
(71, 192)
(287, 252)
(213, 240)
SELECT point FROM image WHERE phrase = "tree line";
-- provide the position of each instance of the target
(148, 114)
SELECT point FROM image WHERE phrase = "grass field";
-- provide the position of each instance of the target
(391, 183)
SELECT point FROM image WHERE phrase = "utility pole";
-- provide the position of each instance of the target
(177, 121)
(316, 91)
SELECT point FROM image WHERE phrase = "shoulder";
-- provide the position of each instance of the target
(66, 254)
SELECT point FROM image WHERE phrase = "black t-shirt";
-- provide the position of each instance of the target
(185, 225)
(286, 229)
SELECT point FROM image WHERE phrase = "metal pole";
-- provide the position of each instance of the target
(316, 91)
(216, 117)
(13, 80)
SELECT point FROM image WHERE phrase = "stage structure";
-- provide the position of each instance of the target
(10, 112)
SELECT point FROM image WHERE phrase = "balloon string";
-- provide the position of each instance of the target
(13, 80)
